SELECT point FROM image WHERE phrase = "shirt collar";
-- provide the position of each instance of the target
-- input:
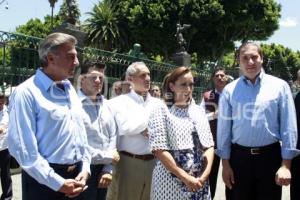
(83, 97)
(138, 97)
(258, 80)
(47, 82)
(217, 92)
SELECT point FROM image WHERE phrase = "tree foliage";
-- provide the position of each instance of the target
(37, 28)
(281, 61)
(277, 60)
(69, 12)
(215, 24)
(104, 28)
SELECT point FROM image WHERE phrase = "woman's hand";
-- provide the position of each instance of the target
(193, 184)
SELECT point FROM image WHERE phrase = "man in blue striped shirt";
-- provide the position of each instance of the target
(257, 131)
(47, 134)
(100, 128)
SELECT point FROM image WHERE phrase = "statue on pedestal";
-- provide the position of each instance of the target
(181, 57)
(181, 41)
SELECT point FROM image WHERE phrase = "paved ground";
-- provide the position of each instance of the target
(219, 195)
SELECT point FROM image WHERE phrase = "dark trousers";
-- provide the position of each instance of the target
(254, 174)
(6, 182)
(32, 190)
(295, 183)
(93, 192)
(213, 176)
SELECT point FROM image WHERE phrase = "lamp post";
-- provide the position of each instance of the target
(2, 45)
(2, 1)
(52, 4)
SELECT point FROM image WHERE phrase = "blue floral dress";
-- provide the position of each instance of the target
(184, 132)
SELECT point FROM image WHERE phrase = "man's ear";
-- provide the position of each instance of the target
(129, 78)
(50, 57)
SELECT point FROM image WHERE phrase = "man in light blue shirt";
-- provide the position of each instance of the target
(256, 111)
(46, 134)
(100, 128)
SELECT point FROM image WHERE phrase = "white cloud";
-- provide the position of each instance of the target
(288, 22)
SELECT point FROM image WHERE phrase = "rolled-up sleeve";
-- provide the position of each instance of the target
(224, 128)
(288, 124)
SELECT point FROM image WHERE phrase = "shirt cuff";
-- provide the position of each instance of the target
(223, 154)
(210, 116)
(108, 169)
(86, 167)
(289, 154)
(56, 182)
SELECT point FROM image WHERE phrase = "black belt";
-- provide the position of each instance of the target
(256, 150)
(141, 157)
(67, 167)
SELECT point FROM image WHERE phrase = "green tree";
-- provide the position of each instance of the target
(37, 28)
(278, 60)
(104, 28)
(69, 12)
(281, 61)
(215, 24)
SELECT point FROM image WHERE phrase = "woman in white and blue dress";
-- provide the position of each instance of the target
(181, 140)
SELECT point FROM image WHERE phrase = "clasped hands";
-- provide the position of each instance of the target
(194, 183)
(73, 187)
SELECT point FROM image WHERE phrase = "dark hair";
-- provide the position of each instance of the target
(91, 64)
(259, 49)
(217, 70)
(172, 77)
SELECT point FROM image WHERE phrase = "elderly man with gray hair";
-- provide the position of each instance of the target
(47, 134)
(133, 175)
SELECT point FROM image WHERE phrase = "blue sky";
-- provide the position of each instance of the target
(20, 11)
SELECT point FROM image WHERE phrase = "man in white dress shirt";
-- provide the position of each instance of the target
(6, 182)
(131, 111)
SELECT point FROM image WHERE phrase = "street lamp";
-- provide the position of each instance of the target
(2, 1)
(2, 44)
(52, 4)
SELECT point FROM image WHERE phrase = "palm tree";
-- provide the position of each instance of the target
(104, 29)
(70, 12)
(52, 4)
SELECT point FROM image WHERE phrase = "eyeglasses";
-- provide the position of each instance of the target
(94, 77)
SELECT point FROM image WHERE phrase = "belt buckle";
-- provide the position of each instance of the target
(254, 151)
(71, 168)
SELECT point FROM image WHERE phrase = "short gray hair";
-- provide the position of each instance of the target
(52, 43)
(134, 68)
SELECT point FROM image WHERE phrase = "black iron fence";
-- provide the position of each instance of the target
(19, 60)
